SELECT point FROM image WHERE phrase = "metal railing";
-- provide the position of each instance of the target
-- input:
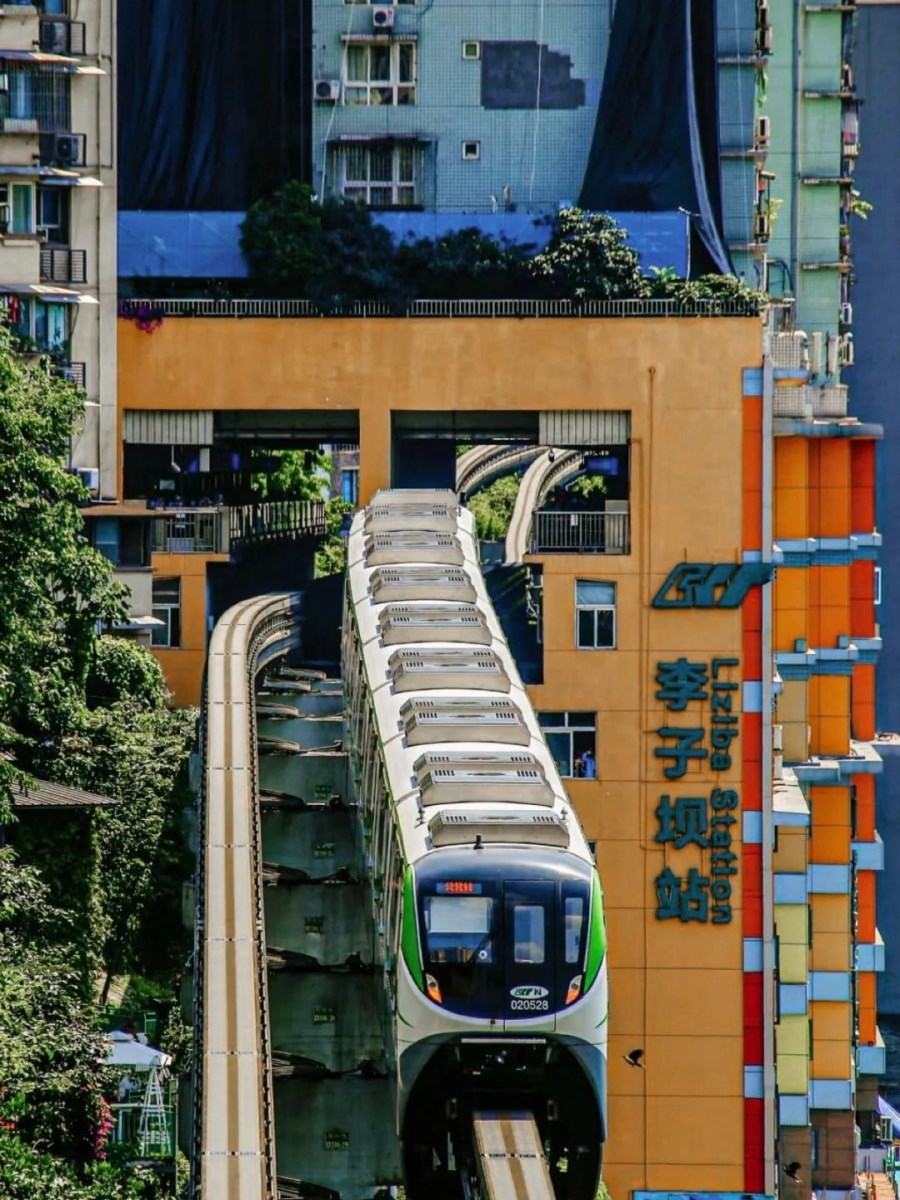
(579, 533)
(153, 1142)
(187, 533)
(809, 401)
(62, 265)
(446, 308)
(275, 519)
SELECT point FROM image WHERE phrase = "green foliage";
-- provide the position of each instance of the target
(331, 556)
(301, 475)
(587, 258)
(50, 1048)
(335, 255)
(492, 507)
(55, 587)
(27, 1173)
(121, 669)
(138, 758)
(589, 487)
(859, 207)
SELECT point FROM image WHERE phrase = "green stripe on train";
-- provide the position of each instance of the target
(409, 934)
(597, 936)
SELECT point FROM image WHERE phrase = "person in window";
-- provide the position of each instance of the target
(578, 768)
(590, 764)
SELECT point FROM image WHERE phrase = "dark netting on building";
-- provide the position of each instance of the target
(656, 141)
(214, 101)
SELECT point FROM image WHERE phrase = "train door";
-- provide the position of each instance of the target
(529, 909)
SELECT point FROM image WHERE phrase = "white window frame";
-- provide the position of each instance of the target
(163, 610)
(404, 192)
(595, 609)
(471, 57)
(476, 157)
(8, 192)
(402, 92)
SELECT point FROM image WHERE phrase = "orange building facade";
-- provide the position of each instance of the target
(738, 889)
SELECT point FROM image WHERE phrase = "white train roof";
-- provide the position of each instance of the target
(464, 754)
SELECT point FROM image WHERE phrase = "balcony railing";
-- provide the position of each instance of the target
(62, 265)
(446, 308)
(188, 533)
(580, 533)
(276, 520)
(808, 401)
(155, 1140)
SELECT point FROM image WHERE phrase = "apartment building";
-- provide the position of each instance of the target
(58, 278)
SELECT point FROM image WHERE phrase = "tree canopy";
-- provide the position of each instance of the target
(335, 254)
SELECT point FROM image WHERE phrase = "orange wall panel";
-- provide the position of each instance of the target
(863, 699)
(865, 886)
(863, 492)
(865, 808)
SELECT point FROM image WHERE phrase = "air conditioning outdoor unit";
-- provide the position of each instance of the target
(90, 477)
(66, 147)
(763, 130)
(885, 1129)
(847, 356)
(382, 16)
(847, 314)
(760, 227)
(764, 39)
(327, 91)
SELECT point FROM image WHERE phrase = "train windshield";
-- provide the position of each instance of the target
(459, 929)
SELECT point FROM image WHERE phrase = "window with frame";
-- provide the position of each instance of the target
(571, 739)
(381, 174)
(381, 72)
(595, 615)
(167, 609)
(17, 200)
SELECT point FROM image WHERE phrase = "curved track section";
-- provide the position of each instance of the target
(545, 472)
(235, 1154)
(482, 464)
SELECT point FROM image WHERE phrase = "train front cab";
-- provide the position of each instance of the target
(504, 1008)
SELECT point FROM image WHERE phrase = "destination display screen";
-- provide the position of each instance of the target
(458, 887)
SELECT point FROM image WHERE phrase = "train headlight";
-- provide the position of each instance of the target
(574, 990)
(431, 987)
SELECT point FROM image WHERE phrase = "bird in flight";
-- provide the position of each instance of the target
(791, 1170)
(633, 1058)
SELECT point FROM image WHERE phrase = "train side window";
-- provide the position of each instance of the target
(574, 925)
(528, 933)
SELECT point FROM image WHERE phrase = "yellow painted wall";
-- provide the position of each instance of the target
(184, 665)
(791, 853)
(676, 989)
(792, 1055)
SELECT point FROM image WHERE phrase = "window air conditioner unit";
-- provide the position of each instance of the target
(847, 314)
(382, 16)
(90, 477)
(760, 227)
(66, 147)
(763, 130)
(847, 356)
(327, 91)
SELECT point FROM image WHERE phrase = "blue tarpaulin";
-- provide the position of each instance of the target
(206, 245)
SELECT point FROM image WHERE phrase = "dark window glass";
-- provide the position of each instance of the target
(458, 929)
(528, 933)
(574, 921)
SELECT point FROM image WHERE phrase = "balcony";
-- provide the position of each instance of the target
(809, 402)
(59, 264)
(188, 533)
(580, 533)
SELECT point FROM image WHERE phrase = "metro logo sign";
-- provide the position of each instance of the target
(711, 585)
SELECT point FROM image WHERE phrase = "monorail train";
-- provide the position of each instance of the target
(487, 901)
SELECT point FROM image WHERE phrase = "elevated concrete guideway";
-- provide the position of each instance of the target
(553, 467)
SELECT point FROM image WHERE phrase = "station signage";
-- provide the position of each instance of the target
(700, 816)
(711, 585)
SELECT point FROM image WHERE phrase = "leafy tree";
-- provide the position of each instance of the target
(588, 487)
(587, 258)
(27, 1173)
(122, 669)
(331, 556)
(51, 1051)
(493, 507)
(663, 283)
(55, 587)
(281, 238)
(465, 264)
(300, 475)
(137, 757)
